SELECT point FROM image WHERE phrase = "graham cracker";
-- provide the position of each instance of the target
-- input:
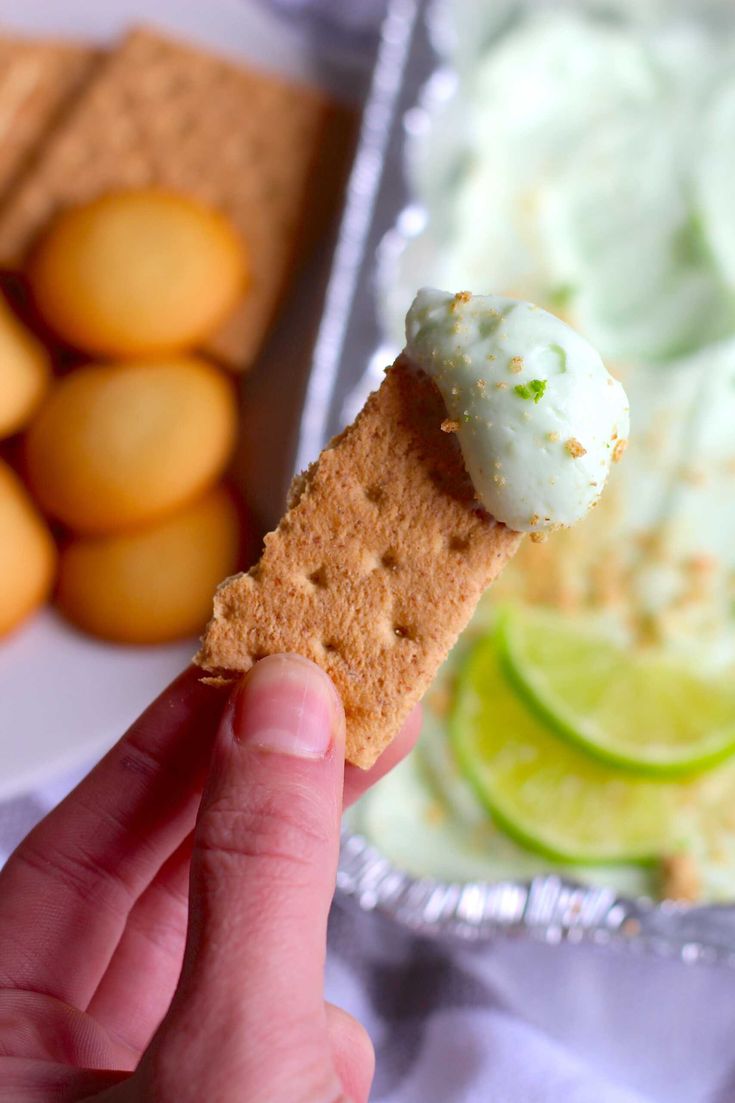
(166, 114)
(38, 79)
(375, 568)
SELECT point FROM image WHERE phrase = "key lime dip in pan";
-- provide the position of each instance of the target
(586, 721)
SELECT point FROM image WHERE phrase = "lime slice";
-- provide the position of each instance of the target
(646, 713)
(545, 794)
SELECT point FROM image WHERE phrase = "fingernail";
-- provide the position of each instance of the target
(288, 705)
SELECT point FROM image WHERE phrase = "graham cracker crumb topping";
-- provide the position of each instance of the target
(618, 450)
(575, 449)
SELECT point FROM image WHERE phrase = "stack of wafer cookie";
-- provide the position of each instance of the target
(75, 123)
(375, 568)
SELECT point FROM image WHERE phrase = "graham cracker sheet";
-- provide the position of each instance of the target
(376, 567)
(39, 78)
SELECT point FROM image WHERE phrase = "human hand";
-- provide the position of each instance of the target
(105, 898)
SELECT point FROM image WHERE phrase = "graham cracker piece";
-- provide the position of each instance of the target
(163, 113)
(38, 80)
(375, 568)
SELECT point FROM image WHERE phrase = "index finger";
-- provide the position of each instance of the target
(66, 892)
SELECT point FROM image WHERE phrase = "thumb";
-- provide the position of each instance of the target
(262, 878)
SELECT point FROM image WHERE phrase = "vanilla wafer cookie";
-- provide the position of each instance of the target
(375, 568)
(38, 80)
(163, 113)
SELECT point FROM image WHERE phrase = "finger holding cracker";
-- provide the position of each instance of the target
(406, 518)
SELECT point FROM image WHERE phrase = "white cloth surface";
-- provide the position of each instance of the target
(512, 1021)
(522, 1022)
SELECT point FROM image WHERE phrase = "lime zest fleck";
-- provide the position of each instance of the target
(561, 353)
(561, 295)
(534, 389)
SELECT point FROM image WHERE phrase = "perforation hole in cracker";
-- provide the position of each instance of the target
(389, 560)
(404, 632)
(375, 493)
(458, 543)
(318, 578)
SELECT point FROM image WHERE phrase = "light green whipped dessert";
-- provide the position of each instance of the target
(585, 162)
(583, 159)
(539, 418)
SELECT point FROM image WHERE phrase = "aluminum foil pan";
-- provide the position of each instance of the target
(350, 353)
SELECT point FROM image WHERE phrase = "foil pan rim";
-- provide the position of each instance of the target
(548, 908)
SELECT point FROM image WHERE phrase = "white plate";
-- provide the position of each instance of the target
(66, 698)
